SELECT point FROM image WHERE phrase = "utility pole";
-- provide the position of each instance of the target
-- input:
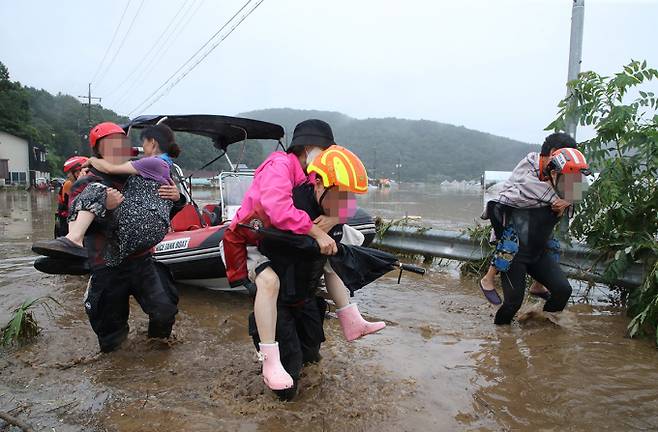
(575, 59)
(575, 54)
(398, 166)
(89, 98)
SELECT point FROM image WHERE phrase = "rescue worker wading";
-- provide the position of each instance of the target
(73, 170)
(336, 174)
(268, 203)
(107, 297)
(564, 170)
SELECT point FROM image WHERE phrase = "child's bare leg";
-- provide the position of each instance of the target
(488, 281)
(79, 226)
(337, 290)
(267, 291)
(351, 321)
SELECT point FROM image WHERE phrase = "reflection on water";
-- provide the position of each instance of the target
(568, 378)
(439, 365)
(440, 207)
(24, 216)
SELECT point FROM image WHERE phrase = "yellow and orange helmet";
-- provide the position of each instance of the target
(337, 166)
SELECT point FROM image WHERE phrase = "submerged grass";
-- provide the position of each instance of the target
(23, 327)
(480, 235)
(382, 225)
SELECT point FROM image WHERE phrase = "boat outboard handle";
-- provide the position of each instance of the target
(412, 268)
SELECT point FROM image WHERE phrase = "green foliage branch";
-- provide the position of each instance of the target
(619, 215)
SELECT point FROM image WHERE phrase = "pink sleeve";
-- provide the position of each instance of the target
(276, 200)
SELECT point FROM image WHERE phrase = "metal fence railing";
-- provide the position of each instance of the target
(577, 261)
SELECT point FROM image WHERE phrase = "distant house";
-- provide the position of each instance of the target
(21, 162)
(490, 178)
(39, 168)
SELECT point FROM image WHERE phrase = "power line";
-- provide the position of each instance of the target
(123, 41)
(162, 51)
(199, 4)
(156, 60)
(114, 36)
(194, 55)
(167, 46)
(149, 52)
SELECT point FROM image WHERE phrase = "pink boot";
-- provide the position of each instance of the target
(353, 324)
(274, 375)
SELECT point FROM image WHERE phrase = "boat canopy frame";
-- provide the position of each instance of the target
(223, 131)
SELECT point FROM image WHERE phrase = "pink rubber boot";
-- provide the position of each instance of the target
(353, 324)
(274, 375)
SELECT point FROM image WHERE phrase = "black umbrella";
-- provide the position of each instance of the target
(357, 266)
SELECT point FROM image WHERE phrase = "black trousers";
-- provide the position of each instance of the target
(107, 300)
(61, 226)
(299, 333)
(545, 271)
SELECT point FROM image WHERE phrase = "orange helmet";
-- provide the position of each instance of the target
(567, 161)
(337, 166)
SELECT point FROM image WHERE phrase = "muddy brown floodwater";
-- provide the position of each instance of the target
(439, 365)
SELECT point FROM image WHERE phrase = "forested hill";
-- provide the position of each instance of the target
(58, 122)
(427, 150)
(61, 124)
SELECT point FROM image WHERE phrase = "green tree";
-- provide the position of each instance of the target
(619, 215)
(14, 105)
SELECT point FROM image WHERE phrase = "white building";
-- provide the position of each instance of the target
(21, 162)
(14, 159)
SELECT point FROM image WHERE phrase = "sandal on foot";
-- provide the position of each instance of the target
(61, 247)
(491, 295)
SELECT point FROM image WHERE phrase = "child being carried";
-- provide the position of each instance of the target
(141, 220)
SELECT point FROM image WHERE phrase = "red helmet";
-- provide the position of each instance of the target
(567, 161)
(74, 163)
(102, 130)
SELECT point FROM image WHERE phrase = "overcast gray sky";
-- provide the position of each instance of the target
(496, 66)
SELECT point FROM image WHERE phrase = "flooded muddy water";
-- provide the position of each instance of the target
(440, 364)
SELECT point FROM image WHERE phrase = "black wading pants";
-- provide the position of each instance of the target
(107, 299)
(545, 271)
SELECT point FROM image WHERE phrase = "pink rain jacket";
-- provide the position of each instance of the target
(271, 192)
(269, 200)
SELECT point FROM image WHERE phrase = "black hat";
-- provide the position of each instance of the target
(312, 133)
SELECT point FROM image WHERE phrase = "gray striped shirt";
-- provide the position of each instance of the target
(523, 189)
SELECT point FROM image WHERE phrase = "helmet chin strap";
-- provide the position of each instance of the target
(553, 183)
(324, 194)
